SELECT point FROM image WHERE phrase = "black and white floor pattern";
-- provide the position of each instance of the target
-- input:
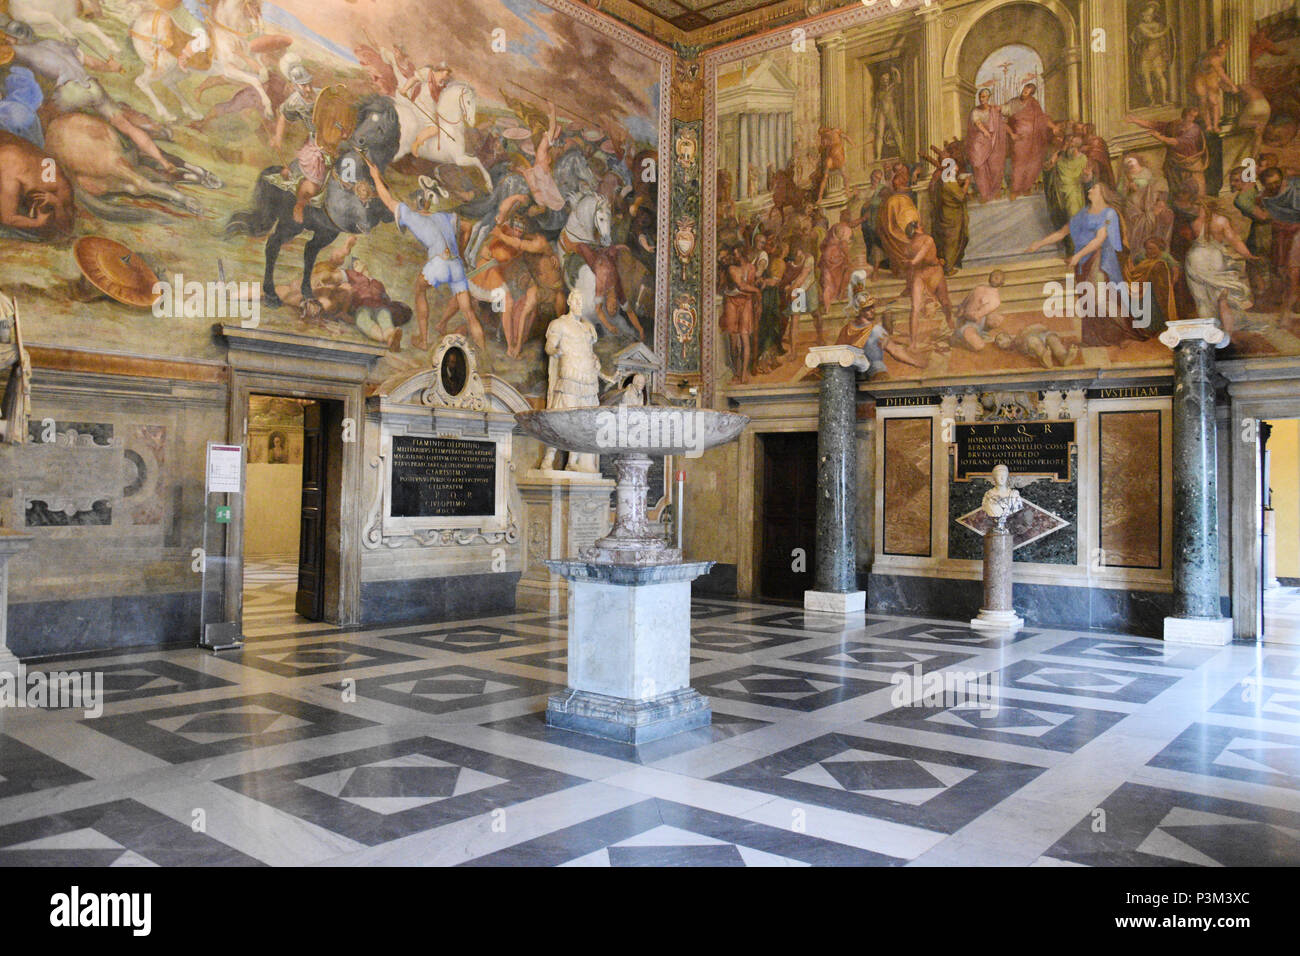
(427, 745)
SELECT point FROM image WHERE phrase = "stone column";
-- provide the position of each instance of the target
(835, 576)
(742, 172)
(998, 612)
(1197, 617)
(833, 115)
(932, 86)
(11, 543)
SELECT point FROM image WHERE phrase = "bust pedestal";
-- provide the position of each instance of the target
(564, 511)
(998, 613)
(629, 652)
(11, 543)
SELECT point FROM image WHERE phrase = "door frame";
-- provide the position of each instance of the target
(265, 362)
(1258, 390)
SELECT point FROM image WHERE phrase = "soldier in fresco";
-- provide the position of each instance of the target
(436, 231)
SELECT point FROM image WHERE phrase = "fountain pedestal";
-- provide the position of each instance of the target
(629, 652)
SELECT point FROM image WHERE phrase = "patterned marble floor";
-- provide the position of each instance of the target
(1282, 615)
(425, 745)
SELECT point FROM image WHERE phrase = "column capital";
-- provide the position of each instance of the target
(1186, 330)
(831, 40)
(842, 355)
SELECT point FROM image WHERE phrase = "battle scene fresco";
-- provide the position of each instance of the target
(378, 172)
(957, 196)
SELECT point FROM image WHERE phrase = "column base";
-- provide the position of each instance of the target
(1198, 630)
(835, 602)
(629, 721)
(990, 620)
(8, 663)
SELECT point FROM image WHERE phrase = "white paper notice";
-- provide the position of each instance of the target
(224, 465)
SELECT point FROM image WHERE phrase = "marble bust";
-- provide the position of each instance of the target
(574, 374)
(1001, 501)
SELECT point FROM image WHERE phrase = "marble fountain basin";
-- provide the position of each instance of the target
(633, 430)
(632, 434)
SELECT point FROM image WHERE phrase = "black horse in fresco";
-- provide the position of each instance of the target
(349, 205)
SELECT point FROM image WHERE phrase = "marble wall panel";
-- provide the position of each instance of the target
(908, 467)
(1129, 487)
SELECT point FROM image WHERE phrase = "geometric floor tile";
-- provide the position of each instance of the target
(797, 621)
(783, 687)
(1132, 650)
(662, 833)
(1255, 756)
(1151, 826)
(305, 660)
(879, 657)
(950, 635)
(212, 728)
(440, 690)
(1084, 680)
(383, 793)
(1045, 726)
(704, 610)
(24, 770)
(734, 639)
(935, 789)
(1283, 666)
(723, 727)
(154, 678)
(1252, 699)
(470, 639)
(120, 833)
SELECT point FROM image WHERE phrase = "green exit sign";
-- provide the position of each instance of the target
(223, 514)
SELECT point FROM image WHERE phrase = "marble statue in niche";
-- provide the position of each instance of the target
(574, 374)
(1002, 501)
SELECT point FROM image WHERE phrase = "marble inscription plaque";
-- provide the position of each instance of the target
(1026, 448)
(1129, 488)
(443, 477)
(908, 465)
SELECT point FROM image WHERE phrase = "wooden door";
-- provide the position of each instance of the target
(310, 598)
(789, 520)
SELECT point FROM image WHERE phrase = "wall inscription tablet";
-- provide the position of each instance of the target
(1026, 448)
(443, 477)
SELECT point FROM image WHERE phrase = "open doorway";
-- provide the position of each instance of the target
(291, 511)
(787, 503)
(1280, 527)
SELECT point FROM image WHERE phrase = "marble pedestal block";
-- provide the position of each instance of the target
(11, 543)
(998, 612)
(1216, 631)
(629, 652)
(563, 513)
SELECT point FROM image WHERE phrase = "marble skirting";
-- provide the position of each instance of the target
(1041, 605)
(47, 628)
(421, 600)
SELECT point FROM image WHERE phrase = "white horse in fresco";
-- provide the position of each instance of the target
(230, 26)
(63, 20)
(590, 223)
(439, 131)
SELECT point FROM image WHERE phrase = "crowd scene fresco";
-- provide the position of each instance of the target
(384, 172)
(942, 262)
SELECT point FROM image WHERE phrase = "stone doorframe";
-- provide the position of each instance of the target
(1258, 389)
(270, 362)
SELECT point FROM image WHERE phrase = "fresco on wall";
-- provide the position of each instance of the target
(273, 146)
(1015, 236)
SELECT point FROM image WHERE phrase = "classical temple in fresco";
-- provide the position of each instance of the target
(276, 278)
